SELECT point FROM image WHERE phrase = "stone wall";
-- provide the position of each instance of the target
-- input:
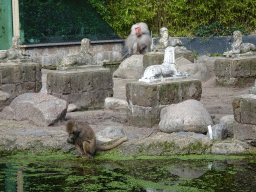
(50, 54)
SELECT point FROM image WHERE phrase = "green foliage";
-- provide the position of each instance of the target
(183, 17)
(216, 29)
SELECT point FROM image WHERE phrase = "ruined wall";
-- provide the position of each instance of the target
(51, 54)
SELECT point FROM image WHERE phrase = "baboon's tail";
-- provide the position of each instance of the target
(118, 142)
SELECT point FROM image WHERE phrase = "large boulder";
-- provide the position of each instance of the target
(115, 104)
(181, 143)
(40, 109)
(230, 147)
(189, 115)
(130, 68)
(196, 71)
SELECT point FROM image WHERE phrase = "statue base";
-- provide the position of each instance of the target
(86, 87)
(145, 100)
(235, 71)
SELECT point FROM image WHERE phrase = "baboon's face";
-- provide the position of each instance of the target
(73, 136)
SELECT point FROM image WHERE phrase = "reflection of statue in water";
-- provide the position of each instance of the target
(239, 47)
(168, 70)
(163, 42)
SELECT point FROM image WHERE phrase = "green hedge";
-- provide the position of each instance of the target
(181, 17)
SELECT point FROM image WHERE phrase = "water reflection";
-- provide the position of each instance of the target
(69, 174)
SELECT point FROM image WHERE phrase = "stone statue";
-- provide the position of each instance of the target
(14, 53)
(84, 57)
(167, 70)
(177, 44)
(163, 42)
(238, 47)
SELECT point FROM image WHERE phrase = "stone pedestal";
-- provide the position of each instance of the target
(235, 71)
(85, 87)
(145, 100)
(157, 58)
(17, 78)
(244, 108)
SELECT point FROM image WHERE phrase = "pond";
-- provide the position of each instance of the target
(63, 172)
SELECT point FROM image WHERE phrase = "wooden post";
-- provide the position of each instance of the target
(16, 18)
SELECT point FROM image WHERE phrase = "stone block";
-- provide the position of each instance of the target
(20, 77)
(153, 58)
(244, 109)
(245, 132)
(143, 116)
(145, 100)
(87, 87)
(189, 55)
(235, 71)
(163, 92)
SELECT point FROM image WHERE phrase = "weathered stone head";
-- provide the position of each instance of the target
(163, 42)
(85, 45)
(15, 42)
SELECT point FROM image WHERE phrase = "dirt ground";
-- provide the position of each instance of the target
(216, 99)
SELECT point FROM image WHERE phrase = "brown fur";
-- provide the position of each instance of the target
(83, 137)
(138, 43)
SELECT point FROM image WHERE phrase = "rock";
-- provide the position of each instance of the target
(180, 61)
(196, 71)
(115, 104)
(4, 99)
(229, 121)
(130, 68)
(209, 62)
(23, 136)
(40, 109)
(189, 115)
(166, 144)
(219, 131)
(71, 107)
(245, 132)
(229, 147)
(3, 54)
(110, 134)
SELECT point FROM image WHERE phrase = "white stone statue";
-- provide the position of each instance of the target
(167, 70)
(239, 47)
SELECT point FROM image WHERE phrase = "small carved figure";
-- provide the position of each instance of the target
(139, 40)
(83, 137)
(84, 57)
(167, 70)
(163, 42)
(14, 52)
(239, 47)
